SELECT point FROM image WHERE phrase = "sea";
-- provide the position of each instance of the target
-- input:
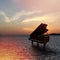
(20, 48)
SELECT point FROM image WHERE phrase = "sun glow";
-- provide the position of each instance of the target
(5, 56)
(9, 51)
(36, 19)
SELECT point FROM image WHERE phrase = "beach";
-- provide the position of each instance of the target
(20, 48)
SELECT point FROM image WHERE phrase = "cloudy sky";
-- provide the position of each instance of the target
(23, 16)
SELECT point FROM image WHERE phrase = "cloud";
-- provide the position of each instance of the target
(47, 18)
(5, 17)
(19, 15)
(34, 19)
(23, 13)
(31, 16)
(13, 18)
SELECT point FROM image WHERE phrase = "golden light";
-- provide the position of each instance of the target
(5, 56)
(28, 29)
(10, 51)
(35, 19)
(7, 53)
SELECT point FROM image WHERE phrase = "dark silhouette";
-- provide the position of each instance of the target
(38, 35)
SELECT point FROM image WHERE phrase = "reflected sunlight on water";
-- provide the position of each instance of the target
(9, 50)
(19, 48)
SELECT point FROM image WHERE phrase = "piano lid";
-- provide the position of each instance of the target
(41, 29)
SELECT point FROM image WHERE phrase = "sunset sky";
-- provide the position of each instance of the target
(23, 16)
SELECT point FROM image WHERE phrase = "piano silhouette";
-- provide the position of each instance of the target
(39, 36)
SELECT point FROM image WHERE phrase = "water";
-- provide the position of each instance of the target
(20, 48)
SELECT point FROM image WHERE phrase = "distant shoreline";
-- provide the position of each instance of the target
(16, 35)
(22, 35)
(54, 34)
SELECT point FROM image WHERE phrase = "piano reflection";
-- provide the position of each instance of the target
(39, 36)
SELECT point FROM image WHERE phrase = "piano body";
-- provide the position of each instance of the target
(38, 35)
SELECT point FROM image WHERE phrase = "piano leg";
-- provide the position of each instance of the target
(32, 42)
(37, 44)
(44, 45)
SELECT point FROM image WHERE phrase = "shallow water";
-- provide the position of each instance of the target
(20, 48)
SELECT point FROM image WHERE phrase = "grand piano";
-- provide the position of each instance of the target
(39, 35)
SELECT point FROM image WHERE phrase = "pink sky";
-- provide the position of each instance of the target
(23, 16)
